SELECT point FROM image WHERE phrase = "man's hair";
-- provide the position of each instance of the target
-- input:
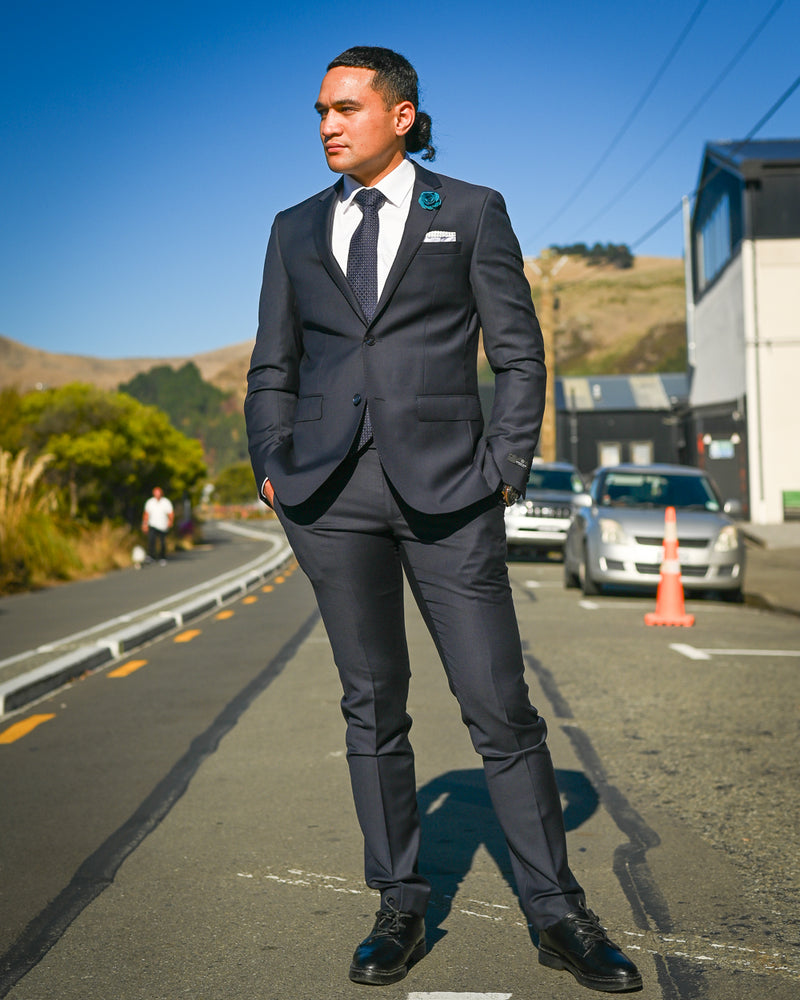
(395, 80)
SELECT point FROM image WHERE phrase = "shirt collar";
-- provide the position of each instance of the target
(395, 186)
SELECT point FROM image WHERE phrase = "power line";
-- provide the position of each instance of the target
(735, 148)
(726, 71)
(629, 120)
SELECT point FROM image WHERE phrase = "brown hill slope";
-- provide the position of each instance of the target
(618, 322)
(26, 368)
(608, 321)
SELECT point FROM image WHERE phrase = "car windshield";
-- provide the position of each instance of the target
(555, 479)
(632, 489)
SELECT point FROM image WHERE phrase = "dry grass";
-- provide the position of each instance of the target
(36, 547)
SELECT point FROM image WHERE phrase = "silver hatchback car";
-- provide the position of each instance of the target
(617, 534)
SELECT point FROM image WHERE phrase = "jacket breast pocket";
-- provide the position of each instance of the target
(448, 408)
(426, 248)
(308, 408)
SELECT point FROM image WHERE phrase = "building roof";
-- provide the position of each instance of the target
(751, 156)
(621, 392)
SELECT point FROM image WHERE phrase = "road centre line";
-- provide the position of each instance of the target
(693, 653)
(127, 668)
(187, 636)
(23, 727)
(50, 647)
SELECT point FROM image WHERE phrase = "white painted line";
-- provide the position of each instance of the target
(706, 654)
(459, 996)
(276, 542)
(689, 651)
(533, 584)
(589, 605)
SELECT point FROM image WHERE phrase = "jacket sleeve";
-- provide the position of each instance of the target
(273, 378)
(514, 347)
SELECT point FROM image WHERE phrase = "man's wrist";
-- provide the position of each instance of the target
(510, 494)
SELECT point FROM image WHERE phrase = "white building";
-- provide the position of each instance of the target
(743, 312)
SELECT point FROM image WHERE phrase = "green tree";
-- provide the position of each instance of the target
(108, 450)
(197, 408)
(235, 484)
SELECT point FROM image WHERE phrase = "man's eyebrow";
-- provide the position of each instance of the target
(351, 102)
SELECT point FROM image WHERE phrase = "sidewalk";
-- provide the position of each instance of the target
(772, 576)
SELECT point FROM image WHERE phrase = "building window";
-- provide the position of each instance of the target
(714, 241)
(642, 452)
(609, 452)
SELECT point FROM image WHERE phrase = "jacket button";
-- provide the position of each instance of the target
(356, 399)
(369, 341)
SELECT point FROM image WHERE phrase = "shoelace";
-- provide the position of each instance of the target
(389, 922)
(590, 928)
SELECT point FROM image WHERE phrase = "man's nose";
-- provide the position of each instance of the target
(329, 125)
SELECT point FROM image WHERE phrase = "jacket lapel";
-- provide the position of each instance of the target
(323, 227)
(418, 223)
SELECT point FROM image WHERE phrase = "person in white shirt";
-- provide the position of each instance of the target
(157, 520)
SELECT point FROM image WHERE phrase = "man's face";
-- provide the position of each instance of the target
(158, 493)
(360, 135)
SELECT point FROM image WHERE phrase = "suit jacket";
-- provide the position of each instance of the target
(317, 360)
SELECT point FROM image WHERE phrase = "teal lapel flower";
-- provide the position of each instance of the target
(430, 200)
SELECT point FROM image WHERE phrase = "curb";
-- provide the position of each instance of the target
(22, 690)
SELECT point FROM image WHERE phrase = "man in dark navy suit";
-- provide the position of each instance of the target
(366, 436)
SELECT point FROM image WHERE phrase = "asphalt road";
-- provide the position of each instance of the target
(186, 830)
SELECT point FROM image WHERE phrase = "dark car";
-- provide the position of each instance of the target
(539, 520)
(617, 536)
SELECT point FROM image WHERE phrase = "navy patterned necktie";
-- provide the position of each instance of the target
(362, 270)
(362, 259)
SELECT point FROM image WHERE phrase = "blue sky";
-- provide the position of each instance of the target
(146, 147)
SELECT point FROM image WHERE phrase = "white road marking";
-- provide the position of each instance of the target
(533, 584)
(589, 605)
(696, 948)
(705, 654)
(459, 996)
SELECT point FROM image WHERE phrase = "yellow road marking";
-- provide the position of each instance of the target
(267, 588)
(280, 579)
(250, 600)
(224, 614)
(127, 668)
(20, 729)
(187, 636)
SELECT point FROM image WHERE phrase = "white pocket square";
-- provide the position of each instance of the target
(439, 236)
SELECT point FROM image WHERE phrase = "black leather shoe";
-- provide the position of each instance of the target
(397, 941)
(580, 945)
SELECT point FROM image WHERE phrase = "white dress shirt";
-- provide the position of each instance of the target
(396, 188)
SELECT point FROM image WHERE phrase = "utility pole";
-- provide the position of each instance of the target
(547, 267)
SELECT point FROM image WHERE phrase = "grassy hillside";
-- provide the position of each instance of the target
(608, 321)
(617, 322)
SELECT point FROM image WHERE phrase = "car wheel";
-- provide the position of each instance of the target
(570, 576)
(590, 587)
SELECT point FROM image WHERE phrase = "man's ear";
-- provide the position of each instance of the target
(404, 116)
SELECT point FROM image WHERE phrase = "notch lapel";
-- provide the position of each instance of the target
(323, 227)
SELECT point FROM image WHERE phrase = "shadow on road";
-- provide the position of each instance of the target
(458, 819)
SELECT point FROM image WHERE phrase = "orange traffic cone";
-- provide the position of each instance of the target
(669, 599)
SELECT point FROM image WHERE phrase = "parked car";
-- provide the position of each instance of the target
(617, 534)
(540, 519)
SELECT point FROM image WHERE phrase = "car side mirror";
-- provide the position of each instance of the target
(733, 508)
(583, 500)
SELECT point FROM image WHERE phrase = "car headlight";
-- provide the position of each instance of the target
(727, 539)
(611, 532)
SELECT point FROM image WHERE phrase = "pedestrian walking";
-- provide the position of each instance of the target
(156, 521)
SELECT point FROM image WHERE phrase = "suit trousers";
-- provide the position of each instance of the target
(354, 538)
